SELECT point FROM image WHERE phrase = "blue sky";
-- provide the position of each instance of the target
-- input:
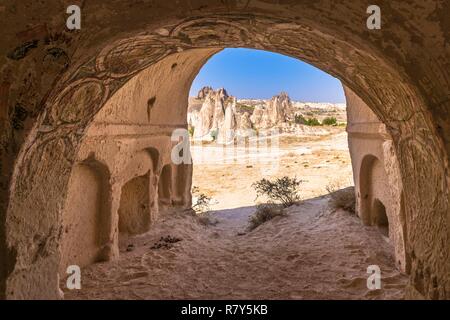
(248, 73)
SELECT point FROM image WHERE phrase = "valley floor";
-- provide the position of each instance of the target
(318, 160)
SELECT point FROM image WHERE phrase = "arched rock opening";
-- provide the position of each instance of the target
(134, 210)
(86, 215)
(380, 217)
(403, 80)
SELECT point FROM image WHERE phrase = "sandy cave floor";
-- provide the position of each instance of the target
(312, 253)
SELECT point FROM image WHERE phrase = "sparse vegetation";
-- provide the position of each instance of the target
(214, 134)
(191, 130)
(264, 213)
(342, 198)
(299, 119)
(201, 201)
(245, 108)
(284, 190)
(312, 122)
(329, 121)
(201, 206)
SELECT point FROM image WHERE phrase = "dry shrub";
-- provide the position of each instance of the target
(201, 206)
(342, 198)
(201, 201)
(264, 213)
(206, 219)
(284, 190)
(330, 121)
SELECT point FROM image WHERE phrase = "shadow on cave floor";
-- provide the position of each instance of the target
(312, 253)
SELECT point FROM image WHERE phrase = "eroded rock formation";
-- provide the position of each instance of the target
(219, 113)
(204, 92)
(279, 109)
(210, 119)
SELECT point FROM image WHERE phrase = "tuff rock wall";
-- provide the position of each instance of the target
(376, 174)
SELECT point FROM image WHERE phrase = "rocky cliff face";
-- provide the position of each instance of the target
(202, 123)
(215, 115)
(211, 118)
(204, 92)
(245, 122)
(274, 112)
(279, 109)
(226, 130)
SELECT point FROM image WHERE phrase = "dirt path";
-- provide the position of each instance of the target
(312, 253)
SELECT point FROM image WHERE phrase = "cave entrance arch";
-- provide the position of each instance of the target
(164, 48)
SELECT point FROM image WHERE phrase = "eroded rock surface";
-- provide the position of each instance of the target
(223, 115)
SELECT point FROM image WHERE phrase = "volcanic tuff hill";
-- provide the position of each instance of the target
(213, 113)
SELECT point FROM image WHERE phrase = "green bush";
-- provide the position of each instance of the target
(312, 122)
(329, 121)
(284, 190)
(299, 119)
